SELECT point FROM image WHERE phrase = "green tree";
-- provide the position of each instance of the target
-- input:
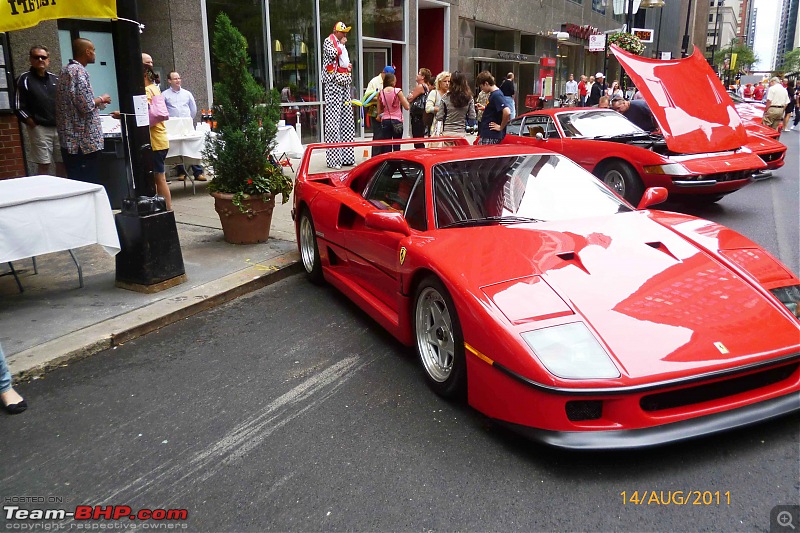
(791, 61)
(745, 57)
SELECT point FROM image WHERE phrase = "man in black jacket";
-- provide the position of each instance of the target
(598, 89)
(36, 108)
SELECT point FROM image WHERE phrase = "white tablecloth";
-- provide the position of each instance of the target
(188, 146)
(288, 142)
(45, 214)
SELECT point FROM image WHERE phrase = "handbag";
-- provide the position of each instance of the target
(397, 127)
(418, 104)
(157, 110)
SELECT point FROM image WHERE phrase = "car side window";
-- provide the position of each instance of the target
(533, 125)
(551, 132)
(392, 185)
(514, 127)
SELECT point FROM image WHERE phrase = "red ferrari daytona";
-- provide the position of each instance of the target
(551, 305)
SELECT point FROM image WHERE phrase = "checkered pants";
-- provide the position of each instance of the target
(339, 124)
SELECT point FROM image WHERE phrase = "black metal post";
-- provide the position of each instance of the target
(658, 39)
(130, 82)
(685, 43)
(150, 256)
(629, 18)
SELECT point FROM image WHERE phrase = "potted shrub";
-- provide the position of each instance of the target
(245, 180)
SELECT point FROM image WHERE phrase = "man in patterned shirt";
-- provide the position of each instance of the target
(78, 117)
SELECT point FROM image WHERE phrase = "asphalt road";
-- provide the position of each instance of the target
(290, 410)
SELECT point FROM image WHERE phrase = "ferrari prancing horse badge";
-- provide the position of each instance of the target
(402, 255)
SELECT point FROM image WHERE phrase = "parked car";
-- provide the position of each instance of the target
(700, 152)
(629, 159)
(751, 113)
(550, 304)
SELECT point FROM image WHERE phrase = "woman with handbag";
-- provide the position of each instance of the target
(434, 102)
(418, 98)
(456, 108)
(158, 134)
(391, 102)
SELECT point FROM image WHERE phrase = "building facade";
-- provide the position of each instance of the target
(285, 39)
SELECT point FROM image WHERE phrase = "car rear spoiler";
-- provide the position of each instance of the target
(304, 165)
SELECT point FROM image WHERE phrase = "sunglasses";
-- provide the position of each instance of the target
(41, 58)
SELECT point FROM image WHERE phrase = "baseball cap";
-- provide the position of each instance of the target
(340, 26)
(599, 75)
(388, 69)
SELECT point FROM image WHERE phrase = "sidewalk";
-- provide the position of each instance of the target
(55, 321)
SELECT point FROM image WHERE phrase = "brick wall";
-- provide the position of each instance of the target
(12, 163)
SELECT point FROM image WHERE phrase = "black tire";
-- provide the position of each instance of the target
(622, 178)
(439, 340)
(309, 251)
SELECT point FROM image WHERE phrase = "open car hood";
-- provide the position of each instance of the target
(689, 102)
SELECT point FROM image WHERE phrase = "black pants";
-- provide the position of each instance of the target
(417, 129)
(389, 133)
(82, 167)
(377, 135)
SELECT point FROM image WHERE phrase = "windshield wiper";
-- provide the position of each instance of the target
(487, 221)
(621, 135)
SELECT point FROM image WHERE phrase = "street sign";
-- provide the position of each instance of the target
(665, 56)
(644, 35)
(597, 43)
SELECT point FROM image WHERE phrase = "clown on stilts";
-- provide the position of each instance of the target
(336, 79)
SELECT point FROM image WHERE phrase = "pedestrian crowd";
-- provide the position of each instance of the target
(62, 116)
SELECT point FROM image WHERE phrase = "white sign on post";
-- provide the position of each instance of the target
(140, 109)
(597, 43)
(665, 56)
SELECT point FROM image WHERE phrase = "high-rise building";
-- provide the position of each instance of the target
(787, 31)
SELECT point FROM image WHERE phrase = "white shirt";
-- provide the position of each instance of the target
(778, 96)
(180, 103)
(344, 57)
(572, 87)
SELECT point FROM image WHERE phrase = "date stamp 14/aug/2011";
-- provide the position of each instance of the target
(676, 497)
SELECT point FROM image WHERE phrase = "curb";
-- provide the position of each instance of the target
(40, 359)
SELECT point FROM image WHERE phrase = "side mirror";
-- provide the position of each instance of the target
(539, 137)
(652, 196)
(387, 221)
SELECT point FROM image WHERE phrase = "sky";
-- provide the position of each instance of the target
(766, 32)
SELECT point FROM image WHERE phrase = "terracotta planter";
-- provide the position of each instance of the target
(244, 228)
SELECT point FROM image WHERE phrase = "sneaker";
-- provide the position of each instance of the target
(201, 177)
(182, 177)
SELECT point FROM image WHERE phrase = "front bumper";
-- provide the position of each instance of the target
(667, 433)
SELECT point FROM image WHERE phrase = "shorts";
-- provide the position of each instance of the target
(45, 148)
(159, 156)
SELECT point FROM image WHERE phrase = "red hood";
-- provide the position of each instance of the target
(688, 101)
(657, 301)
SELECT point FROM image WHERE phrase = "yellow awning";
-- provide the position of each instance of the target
(18, 15)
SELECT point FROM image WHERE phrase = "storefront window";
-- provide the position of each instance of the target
(294, 44)
(384, 19)
(248, 17)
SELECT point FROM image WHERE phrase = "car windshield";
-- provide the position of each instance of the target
(514, 189)
(597, 123)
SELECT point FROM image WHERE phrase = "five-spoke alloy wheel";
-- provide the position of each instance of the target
(440, 343)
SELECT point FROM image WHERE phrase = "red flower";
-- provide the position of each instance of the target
(250, 181)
